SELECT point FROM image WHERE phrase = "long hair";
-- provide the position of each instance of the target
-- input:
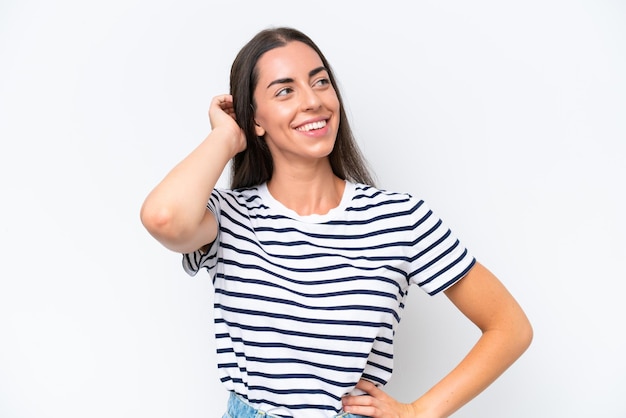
(254, 165)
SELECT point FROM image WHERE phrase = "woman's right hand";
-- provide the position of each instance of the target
(222, 117)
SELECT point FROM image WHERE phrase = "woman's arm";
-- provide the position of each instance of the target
(175, 211)
(506, 334)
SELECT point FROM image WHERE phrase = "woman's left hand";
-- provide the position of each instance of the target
(376, 404)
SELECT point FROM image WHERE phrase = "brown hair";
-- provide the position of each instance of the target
(254, 165)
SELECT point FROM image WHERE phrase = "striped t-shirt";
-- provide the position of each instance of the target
(305, 306)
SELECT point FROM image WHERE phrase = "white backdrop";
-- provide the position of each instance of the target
(509, 118)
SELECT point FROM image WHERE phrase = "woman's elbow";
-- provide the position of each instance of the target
(520, 333)
(525, 334)
(159, 221)
(176, 230)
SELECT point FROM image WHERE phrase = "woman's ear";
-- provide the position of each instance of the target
(258, 129)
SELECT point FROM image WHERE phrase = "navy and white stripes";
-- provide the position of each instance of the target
(307, 305)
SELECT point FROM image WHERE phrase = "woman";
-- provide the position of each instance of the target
(310, 262)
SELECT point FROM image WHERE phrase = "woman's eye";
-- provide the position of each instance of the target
(322, 82)
(283, 91)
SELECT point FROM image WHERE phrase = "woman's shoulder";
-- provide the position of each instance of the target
(379, 199)
(365, 191)
(241, 193)
(237, 199)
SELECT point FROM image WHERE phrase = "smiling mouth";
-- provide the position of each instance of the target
(311, 126)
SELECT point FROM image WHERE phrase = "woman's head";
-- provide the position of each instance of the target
(255, 164)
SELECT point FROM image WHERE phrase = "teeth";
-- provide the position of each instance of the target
(311, 126)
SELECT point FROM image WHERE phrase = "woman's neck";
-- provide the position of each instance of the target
(313, 192)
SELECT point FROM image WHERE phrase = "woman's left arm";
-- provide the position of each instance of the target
(506, 334)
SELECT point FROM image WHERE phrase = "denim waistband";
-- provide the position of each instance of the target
(239, 408)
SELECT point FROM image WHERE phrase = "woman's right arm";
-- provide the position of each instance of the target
(175, 211)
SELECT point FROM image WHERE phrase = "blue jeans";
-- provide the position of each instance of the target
(239, 408)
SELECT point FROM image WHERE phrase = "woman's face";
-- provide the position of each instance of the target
(297, 109)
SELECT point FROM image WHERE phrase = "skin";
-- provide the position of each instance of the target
(506, 334)
(293, 91)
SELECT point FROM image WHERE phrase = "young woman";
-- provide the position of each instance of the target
(310, 262)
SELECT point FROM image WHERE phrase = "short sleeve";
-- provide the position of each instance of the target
(439, 259)
(205, 258)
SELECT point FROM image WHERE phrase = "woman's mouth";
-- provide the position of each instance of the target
(311, 126)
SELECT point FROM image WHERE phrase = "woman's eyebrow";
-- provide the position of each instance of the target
(280, 81)
(317, 70)
(290, 80)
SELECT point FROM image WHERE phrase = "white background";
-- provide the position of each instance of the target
(509, 118)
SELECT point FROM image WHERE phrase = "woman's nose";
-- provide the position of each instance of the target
(310, 99)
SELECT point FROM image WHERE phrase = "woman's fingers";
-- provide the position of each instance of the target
(220, 106)
(376, 404)
(368, 387)
(225, 102)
